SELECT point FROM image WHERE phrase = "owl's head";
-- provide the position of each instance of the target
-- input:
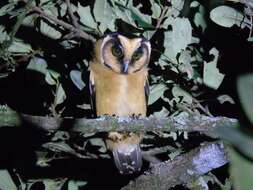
(123, 55)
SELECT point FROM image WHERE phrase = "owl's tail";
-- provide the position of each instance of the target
(126, 151)
(128, 158)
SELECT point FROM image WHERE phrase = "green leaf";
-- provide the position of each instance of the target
(212, 77)
(242, 141)
(53, 184)
(194, 4)
(162, 113)
(76, 77)
(49, 30)
(245, 92)
(6, 181)
(38, 64)
(179, 38)
(123, 13)
(156, 91)
(143, 20)
(103, 13)
(52, 77)
(227, 16)
(225, 98)
(98, 142)
(156, 9)
(181, 94)
(75, 185)
(86, 17)
(19, 47)
(199, 18)
(6, 9)
(148, 34)
(3, 34)
(59, 147)
(185, 64)
(60, 95)
(177, 6)
(241, 170)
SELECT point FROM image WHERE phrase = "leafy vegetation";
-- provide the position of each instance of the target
(45, 48)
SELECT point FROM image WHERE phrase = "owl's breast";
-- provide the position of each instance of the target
(120, 95)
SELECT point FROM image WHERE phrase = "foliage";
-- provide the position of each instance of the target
(180, 64)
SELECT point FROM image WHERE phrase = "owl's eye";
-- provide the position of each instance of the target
(117, 51)
(137, 54)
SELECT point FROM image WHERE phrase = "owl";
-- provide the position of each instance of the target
(119, 86)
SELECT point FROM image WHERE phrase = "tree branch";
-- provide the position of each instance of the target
(66, 25)
(183, 169)
(182, 122)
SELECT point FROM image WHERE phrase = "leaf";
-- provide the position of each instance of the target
(225, 98)
(156, 91)
(19, 47)
(86, 17)
(98, 142)
(179, 38)
(241, 170)
(60, 95)
(185, 64)
(75, 185)
(242, 141)
(194, 4)
(143, 20)
(59, 147)
(163, 113)
(6, 9)
(103, 13)
(245, 92)
(6, 181)
(156, 9)
(122, 12)
(52, 77)
(177, 6)
(76, 77)
(49, 30)
(38, 64)
(199, 18)
(53, 184)
(226, 16)
(181, 94)
(148, 34)
(212, 77)
(3, 34)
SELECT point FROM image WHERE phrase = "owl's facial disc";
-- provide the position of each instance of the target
(123, 55)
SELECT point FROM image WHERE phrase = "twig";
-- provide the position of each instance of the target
(68, 26)
(164, 11)
(72, 16)
(183, 169)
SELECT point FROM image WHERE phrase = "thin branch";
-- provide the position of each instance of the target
(66, 25)
(72, 16)
(159, 22)
(183, 169)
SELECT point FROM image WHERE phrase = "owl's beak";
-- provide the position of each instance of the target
(125, 65)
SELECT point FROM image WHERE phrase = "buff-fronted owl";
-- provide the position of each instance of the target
(118, 86)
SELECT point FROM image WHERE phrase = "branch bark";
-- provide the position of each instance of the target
(183, 169)
(65, 25)
(182, 122)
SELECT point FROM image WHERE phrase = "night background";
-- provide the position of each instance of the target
(44, 60)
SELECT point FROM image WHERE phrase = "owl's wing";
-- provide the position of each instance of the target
(146, 89)
(92, 92)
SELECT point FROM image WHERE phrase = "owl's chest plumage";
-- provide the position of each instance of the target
(118, 94)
